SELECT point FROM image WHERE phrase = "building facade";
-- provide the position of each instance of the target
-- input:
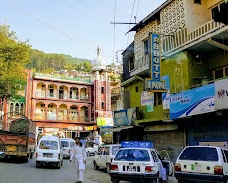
(193, 52)
(68, 105)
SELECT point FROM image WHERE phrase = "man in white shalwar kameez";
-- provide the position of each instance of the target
(79, 156)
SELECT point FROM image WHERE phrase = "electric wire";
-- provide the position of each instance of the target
(73, 38)
(130, 20)
(114, 32)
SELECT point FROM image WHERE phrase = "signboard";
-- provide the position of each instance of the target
(124, 117)
(166, 96)
(147, 98)
(192, 102)
(104, 121)
(221, 94)
(154, 83)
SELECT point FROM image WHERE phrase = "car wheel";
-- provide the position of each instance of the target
(37, 165)
(156, 180)
(95, 166)
(115, 181)
(108, 168)
(58, 165)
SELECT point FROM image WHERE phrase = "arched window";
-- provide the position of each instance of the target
(17, 109)
(11, 109)
(22, 108)
(102, 105)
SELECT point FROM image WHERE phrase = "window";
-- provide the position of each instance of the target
(17, 108)
(157, 98)
(199, 154)
(136, 89)
(132, 155)
(216, 10)
(131, 63)
(102, 105)
(145, 47)
(220, 72)
(197, 1)
(154, 155)
(22, 108)
(102, 90)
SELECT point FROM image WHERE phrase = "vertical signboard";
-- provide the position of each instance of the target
(154, 83)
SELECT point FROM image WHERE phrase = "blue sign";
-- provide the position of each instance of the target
(154, 83)
(124, 117)
(143, 144)
(192, 102)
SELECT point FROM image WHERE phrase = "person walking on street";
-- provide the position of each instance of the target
(79, 156)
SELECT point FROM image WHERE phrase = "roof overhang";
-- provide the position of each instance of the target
(131, 80)
(150, 17)
(116, 129)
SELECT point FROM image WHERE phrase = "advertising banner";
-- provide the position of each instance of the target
(165, 96)
(104, 121)
(125, 117)
(221, 94)
(147, 98)
(192, 102)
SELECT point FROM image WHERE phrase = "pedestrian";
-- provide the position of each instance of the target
(79, 156)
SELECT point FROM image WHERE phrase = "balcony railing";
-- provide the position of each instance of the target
(140, 65)
(182, 38)
(52, 76)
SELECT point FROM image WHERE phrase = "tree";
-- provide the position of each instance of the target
(14, 55)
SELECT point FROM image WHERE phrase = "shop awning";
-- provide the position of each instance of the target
(116, 129)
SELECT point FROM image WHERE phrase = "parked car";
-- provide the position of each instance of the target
(136, 161)
(202, 164)
(49, 151)
(104, 156)
(92, 150)
(68, 145)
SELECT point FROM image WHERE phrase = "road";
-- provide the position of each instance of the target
(16, 172)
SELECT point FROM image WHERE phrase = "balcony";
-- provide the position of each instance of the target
(59, 77)
(141, 66)
(183, 39)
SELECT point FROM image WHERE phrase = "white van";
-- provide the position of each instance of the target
(68, 145)
(49, 151)
(104, 156)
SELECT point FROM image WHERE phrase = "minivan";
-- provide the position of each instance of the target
(49, 151)
(68, 145)
(202, 164)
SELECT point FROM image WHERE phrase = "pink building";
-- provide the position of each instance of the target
(67, 105)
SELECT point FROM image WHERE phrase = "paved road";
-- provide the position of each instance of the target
(15, 172)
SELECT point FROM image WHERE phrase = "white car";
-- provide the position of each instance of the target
(92, 150)
(68, 145)
(105, 155)
(202, 164)
(49, 151)
(137, 160)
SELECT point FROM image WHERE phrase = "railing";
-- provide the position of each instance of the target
(40, 94)
(52, 76)
(140, 65)
(182, 37)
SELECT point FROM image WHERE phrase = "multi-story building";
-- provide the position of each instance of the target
(193, 55)
(58, 103)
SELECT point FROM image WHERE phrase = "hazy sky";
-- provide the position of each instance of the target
(75, 27)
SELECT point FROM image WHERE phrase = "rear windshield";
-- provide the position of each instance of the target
(200, 154)
(115, 149)
(48, 144)
(65, 143)
(132, 155)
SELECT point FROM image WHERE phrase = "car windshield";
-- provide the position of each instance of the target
(132, 155)
(48, 144)
(65, 143)
(115, 149)
(200, 154)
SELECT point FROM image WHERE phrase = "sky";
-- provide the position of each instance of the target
(76, 27)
